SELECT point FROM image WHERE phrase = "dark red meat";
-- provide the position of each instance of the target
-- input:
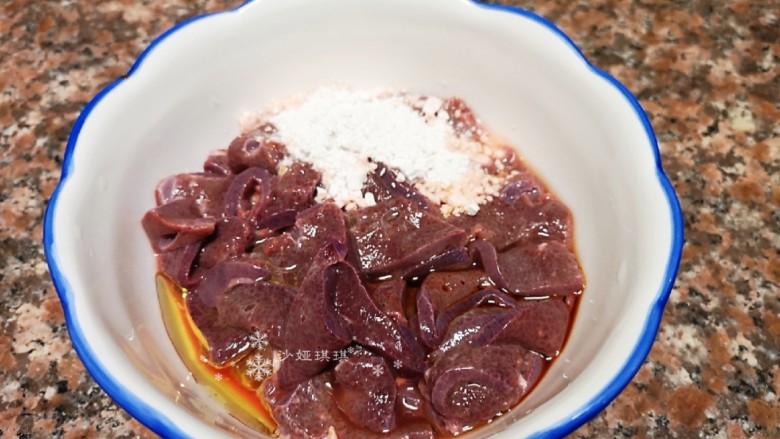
(226, 275)
(394, 235)
(455, 259)
(291, 191)
(260, 306)
(538, 325)
(248, 194)
(312, 323)
(521, 213)
(309, 411)
(317, 227)
(231, 238)
(176, 224)
(471, 385)
(524, 188)
(371, 327)
(487, 255)
(178, 265)
(478, 326)
(226, 344)
(546, 269)
(438, 291)
(490, 297)
(304, 412)
(497, 222)
(365, 391)
(217, 164)
(207, 189)
(251, 150)
(548, 221)
(390, 297)
(409, 401)
(384, 184)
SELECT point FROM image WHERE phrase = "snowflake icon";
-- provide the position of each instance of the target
(397, 364)
(258, 368)
(258, 340)
(377, 370)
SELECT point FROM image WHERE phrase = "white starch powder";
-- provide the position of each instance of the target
(343, 132)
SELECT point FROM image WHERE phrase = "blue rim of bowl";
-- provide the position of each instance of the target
(141, 411)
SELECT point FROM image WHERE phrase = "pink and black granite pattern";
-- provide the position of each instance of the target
(706, 71)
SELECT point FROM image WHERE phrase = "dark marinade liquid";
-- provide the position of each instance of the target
(385, 321)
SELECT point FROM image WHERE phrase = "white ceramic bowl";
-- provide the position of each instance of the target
(583, 132)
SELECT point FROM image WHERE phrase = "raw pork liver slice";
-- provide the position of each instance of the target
(248, 194)
(479, 326)
(365, 391)
(207, 189)
(497, 222)
(176, 224)
(247, 151)
(260, 306)
(371, 327)
(225, 275)
(312, 323)
(308, 411)
(454, 259)
(294, 190)
(484, 252)
(395, 234)
(438, 291)
(490, 297)
(544, 269)
(383, 184)
(217, 164)
(390, 296)
(548, 221)
(230, 239)
(539, 326)
(303, 413)
(178, 265)
(519, 215)
(317, 227)
(226, 344)
(470, 385)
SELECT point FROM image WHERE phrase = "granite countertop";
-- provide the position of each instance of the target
(706, 71)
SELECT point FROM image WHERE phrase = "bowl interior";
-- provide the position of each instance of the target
(530, 87)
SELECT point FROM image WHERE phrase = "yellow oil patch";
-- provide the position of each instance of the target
(229, 384)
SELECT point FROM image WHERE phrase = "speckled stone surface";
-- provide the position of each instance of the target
(705, 71)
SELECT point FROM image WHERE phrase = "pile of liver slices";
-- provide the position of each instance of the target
(415, 325)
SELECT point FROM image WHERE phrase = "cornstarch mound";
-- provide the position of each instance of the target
(343, 133)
